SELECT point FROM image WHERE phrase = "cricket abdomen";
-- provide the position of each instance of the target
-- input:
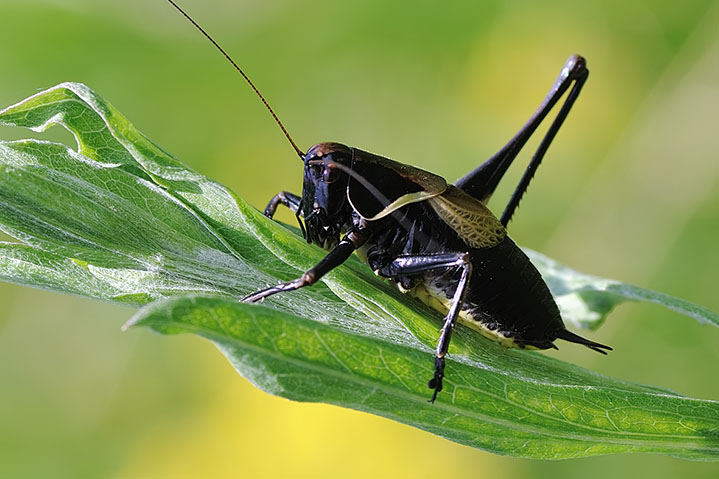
(506, 301)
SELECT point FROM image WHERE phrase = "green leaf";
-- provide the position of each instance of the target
(119, 219)
(492, 406)
(585, 300)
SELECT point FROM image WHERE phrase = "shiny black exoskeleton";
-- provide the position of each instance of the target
(438, 242)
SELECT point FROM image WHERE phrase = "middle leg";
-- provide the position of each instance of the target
(413, 264)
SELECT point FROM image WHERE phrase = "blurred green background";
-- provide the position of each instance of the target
(630, 190)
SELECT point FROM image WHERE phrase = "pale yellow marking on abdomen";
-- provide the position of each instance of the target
(437, 301)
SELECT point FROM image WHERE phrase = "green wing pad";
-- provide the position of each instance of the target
(470, 218)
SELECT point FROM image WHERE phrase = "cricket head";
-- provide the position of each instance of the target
(324, 207)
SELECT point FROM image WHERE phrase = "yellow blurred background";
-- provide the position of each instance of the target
(630, 190)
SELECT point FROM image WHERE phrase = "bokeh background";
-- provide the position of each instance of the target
(630, 190)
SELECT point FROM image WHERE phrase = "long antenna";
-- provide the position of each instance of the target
(267, 105)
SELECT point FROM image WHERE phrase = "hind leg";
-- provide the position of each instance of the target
(482, 181)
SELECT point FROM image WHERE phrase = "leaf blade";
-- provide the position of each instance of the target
(122, 220)
(303, 360)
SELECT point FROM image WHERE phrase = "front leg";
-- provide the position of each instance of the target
(290, 200)
(413, 264)
(338, 255)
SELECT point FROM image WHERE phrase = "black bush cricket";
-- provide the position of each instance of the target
(437, 241)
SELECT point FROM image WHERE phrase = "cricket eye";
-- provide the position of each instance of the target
(330, 174)
(316, 170)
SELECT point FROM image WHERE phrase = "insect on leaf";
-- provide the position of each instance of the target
(119, 219)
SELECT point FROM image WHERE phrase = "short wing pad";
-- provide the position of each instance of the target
(469, 217)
